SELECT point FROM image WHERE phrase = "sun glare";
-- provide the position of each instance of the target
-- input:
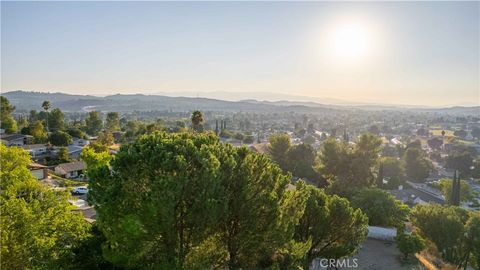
(348, 42)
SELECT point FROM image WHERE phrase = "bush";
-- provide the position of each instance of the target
(409, 244)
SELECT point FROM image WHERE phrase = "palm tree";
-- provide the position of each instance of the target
(197, 120)
(46, 106)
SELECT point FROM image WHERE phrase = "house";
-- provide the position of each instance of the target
(71, 169)
(38, 170)
(74, 151)
(15, 139)
(412, 197)
(35, 150)
(80, 142)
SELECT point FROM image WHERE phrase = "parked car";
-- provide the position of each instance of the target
(80, 190)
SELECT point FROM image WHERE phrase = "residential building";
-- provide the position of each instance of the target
(80, 142)
(74, 151)
(412, 197)
(15, 139)
(36, 150)
(38, 170)
(71, 169)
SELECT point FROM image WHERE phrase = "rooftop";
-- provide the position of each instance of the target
(72, 166)
(12, 137)
(33, 146)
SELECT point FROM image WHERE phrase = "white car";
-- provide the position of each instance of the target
(80, 190)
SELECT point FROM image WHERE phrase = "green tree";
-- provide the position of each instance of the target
(46, 106)
(22, 123)
(254, 224)
(310, 140)
(347, 167)
(87, 254)
(94, 123)
(56, 120)
(466, 192)
(131, 129)
(60, 138)
(334, 159)
(63, 155)
(330, 224)
(409, 244)
(105, 138)
(7, 121)
(170, 182)
(393, 172)
(417, 165)
(278, 148)
(197, 121)
(381, 208)
(443, 226)
(461, 160)
(76, 133)
(211, 204)
(472, 233)
(39, 229)
(33, 116)
(364, 158)
(300, 161)
(38, 132)
(112, 122)
(96, 161)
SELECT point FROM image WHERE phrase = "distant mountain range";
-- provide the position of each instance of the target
(26, 101)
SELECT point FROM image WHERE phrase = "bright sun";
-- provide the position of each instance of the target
(349, 42)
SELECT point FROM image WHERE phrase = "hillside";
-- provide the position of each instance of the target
(25, 101)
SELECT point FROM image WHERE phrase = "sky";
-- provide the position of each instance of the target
(413, 53)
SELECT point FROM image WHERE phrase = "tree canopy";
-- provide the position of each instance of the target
(417, 165)
(197, 121)
(333, 228)
(186, 201)
(38, 132)
(409, 244)
(466, 192)
(60, 138)
(56, 120)
(347, 167)
(392, 171)
(39, 229)
(7, 121)
(278, 147)
(450, 228)
(94, 123)
(112, 122)
(381, 208)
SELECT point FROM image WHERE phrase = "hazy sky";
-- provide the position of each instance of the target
(402, 52)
